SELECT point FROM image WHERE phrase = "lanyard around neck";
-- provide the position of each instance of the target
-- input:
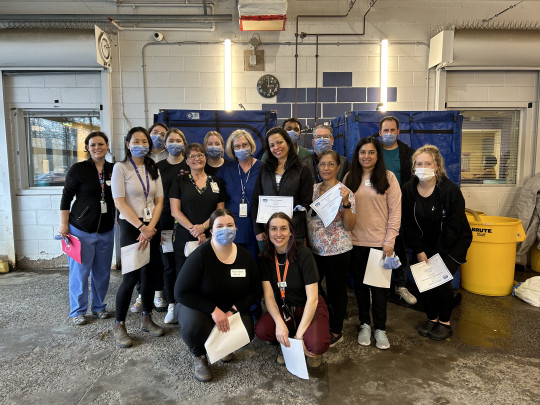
(281, 284)
(244, 196)
(146, 190)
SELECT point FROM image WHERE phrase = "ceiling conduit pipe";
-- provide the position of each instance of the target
(304, 35)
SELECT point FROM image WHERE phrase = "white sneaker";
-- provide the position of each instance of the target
(364, 337)
(381, 341)
(137, 305)
(170, 318)
(406, 295)
(159, 302)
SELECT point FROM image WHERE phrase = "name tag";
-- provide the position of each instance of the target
(103, 207)
(108, 182)
(238, 272)
(368, 183)
(147, 214)
(215, 187)
(282, 284)
(242, 211)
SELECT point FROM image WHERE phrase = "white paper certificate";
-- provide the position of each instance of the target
(219, 344)
(428, 276)
(269, 205)
(295, 360)
(166, 241)
(376, 275)
(133, 259)
(327, 205)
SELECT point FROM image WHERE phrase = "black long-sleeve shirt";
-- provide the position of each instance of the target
(206, 283)
(82, 182)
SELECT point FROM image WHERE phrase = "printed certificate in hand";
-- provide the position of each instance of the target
(428, 276)
(269, 204)
(134, 258)
(327, 205)
(166, 241)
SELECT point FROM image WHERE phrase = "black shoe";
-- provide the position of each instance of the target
(427, 327)
(440, 332)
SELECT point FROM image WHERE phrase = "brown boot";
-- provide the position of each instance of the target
(121, 336)
(201, 369)
(149, 326)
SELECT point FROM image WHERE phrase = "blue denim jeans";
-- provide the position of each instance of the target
(96, 258)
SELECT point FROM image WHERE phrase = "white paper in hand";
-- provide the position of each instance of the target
(294, 358)
(166, 241)
(134, 258)
(219, 344)
(428, 276)
(376, 275)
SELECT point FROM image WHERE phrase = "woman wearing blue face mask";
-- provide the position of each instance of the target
(157, 133)
(239, 178)
(214, 146)
(218, 279)
(138, 195)
(175, 165)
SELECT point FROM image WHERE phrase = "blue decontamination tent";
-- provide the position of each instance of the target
(417, 128)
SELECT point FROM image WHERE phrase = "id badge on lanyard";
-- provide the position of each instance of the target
(243, 210)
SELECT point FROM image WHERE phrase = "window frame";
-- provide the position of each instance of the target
(23, 149)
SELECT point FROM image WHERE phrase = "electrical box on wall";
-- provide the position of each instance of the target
(253, 61)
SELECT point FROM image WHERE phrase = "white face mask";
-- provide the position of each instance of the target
(424, 173)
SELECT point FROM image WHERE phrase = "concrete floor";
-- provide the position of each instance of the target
(493, 358)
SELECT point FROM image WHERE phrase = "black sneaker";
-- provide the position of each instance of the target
(334, 340)
(440, 332)
(427, 327)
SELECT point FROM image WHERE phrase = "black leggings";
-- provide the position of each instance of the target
(359, 259)
(170, 273)
(195, 327)
(334, 269)
(128, 236)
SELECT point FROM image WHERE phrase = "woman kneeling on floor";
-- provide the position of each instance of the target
(290, 278)
(217, 280)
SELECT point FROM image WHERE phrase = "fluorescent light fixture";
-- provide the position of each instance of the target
(228, 75)
(384, 74)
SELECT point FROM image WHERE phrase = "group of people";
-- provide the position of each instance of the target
(393, 199)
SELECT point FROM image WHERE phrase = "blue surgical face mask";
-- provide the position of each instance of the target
(175, 149)
(225, 235)
(242, 154)
(295, 136)
(139, 151)
(214, 151)
(157, 141)
(388, 139)
(321, 144)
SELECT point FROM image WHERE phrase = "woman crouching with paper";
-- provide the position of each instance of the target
(217, 280)
(434, 221)
(290, 287)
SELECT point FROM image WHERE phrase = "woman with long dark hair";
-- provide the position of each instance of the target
(378, 217)
(283, 174)
(138, 195)
(91, 219)
(290, 287)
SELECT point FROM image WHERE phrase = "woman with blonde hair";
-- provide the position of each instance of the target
(214, 145)
(434, 222)
(239, 177)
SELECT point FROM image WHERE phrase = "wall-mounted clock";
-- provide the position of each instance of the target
(268, 86)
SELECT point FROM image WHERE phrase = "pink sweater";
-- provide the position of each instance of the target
(378, 216)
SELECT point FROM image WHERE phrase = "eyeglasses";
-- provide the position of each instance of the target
(198, 156)
(157, 133)
(322, 136)
(241, 146)
(330, 165)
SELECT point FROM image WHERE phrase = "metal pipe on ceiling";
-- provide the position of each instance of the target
(119, 18)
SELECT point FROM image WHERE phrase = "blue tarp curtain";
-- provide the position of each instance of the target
(417, 128)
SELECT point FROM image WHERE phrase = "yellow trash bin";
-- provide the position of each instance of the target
(491, 257)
